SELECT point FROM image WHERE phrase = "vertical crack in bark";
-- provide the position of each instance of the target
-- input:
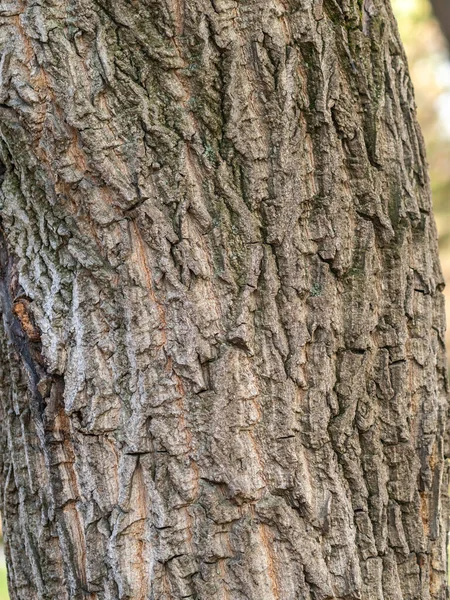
(46, 406)
(21, 330)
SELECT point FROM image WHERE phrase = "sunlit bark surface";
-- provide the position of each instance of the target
(223, 373)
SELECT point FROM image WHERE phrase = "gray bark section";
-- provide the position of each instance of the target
(223, 372)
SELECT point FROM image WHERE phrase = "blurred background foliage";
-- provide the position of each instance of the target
(429, 64)
(3, 583)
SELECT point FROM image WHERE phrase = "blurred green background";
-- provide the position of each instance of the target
(430, 71)
(3, 585)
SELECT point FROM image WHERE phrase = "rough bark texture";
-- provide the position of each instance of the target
(223, 373)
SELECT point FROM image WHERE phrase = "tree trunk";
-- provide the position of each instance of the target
(441, 9)
(223, 373)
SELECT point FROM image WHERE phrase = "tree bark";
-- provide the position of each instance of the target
(223, 373)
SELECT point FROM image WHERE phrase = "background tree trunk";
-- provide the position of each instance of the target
(441, 9)
(223, 373)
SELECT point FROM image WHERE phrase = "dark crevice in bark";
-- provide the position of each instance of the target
(20, 327)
